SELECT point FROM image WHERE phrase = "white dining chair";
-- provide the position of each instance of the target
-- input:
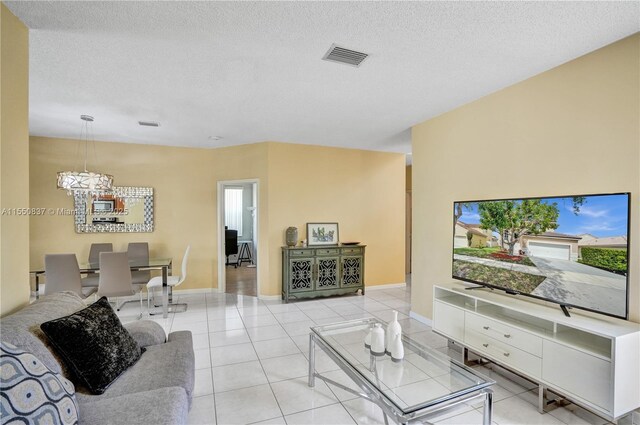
(63, 274)
(115, 278)
(172, 281)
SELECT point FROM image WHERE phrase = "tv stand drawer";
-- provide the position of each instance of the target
(524, 341)
(504, 353)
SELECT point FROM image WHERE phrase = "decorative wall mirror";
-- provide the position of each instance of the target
(125, 209)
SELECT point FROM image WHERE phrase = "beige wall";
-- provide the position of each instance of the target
(184, 182)
(240, 163)
(14, 161)
(362, 190)
(185, 213)
(571, 130)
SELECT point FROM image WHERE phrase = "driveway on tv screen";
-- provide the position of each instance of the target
(564, 281)
(579, 284)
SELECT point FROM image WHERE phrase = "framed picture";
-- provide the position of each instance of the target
(322, 234)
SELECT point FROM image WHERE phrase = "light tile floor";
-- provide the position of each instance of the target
(251, 363)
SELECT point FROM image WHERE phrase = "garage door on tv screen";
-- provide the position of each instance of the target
(572, 250)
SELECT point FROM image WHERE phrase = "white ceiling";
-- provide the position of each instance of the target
(252, 71)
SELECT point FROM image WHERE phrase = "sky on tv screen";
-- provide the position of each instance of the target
(599, 215)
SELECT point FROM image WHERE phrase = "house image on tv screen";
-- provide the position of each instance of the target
(570, 250)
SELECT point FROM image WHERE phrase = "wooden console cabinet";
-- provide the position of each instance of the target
(311, 272)
(591, 360)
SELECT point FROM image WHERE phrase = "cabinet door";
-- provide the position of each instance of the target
(578, 373)
(300, 274)
(327, 273)
(352, 271)
(448, 320)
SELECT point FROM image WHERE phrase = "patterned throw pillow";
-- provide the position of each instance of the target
(94, 345)
(31, 393)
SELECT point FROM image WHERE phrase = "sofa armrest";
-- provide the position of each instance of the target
(146, 332)
(184, 336)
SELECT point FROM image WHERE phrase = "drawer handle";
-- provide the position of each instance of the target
(486, 328)
(485, 345)
(507, 335)
(506, 354)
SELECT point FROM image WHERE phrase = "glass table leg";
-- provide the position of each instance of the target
(488, 407)
(312, 360)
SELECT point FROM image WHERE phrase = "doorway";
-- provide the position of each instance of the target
(238, 237)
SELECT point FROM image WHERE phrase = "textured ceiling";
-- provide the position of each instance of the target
(252, 71)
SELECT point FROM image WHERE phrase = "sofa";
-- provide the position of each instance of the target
(157, 389)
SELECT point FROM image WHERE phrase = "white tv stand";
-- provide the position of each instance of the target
(592, 360)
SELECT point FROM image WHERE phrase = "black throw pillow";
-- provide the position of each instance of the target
(94, 345)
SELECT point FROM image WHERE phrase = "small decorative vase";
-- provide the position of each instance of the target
(393, 329)
(292, 236)
(367, 339)
(377, 340)
(397, 349)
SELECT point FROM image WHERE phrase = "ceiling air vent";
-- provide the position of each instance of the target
(149, 123)
(346, 56)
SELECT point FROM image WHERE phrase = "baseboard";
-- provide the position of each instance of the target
(385, 286)
(420, 318)
(269, 297)
(195, 291)
(217, 291)
(367, 288)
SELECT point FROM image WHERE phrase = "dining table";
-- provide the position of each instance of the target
(162, 264)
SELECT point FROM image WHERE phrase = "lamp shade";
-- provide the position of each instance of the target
(85, 181)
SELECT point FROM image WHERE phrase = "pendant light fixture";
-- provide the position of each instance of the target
(85, 181)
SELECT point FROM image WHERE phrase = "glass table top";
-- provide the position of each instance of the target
(153, 263)
(424, 378)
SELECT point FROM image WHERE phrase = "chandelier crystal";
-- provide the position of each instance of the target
(85, 181)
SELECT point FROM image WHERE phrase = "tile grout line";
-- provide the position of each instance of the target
(213, 388)
(349, 412)
(315, 408)
(267, 378)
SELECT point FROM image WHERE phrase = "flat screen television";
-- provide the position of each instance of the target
(103, 206)
(571, 250)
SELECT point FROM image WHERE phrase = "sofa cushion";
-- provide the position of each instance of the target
(22, 328)
(161, 366)
(31, 392)
(94, 345)
(163, 406)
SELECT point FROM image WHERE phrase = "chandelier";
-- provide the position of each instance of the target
(85, 181)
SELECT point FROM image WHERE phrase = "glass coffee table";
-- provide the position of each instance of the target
(425, 384)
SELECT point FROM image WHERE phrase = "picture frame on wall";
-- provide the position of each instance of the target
(322, 234)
